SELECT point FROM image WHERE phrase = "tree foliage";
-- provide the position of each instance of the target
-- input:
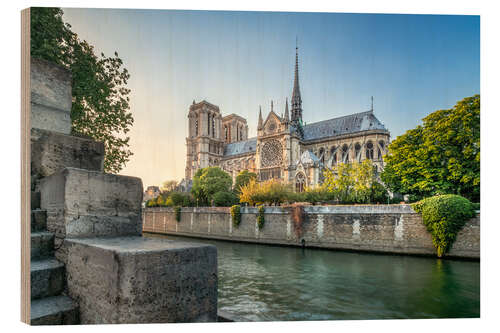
(100, 107)
(354, 183)
(207, 182)
(242, 179)
(268, 192)
(444, 216)
(225, 199)
(441, 156)
(236, 215)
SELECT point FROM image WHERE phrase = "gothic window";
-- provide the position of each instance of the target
(196, 126)
(241, 133)
(322, 155)
(300, 182)
(272, 154)
(225, 131)
(369, 150)
(345, 154)
(357, 150)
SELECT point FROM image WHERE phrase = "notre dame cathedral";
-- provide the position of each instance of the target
(285, 148)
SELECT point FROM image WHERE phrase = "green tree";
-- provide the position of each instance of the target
(225, 199)
(353, 183)
(242, 179)
(100, 107)
(442, 156)
(207, 182)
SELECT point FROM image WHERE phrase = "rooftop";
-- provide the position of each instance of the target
(241, 147)
(357, 122)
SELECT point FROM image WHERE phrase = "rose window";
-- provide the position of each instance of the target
(272, 154)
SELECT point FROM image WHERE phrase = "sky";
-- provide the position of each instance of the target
(412, 65)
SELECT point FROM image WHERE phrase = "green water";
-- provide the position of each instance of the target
(262, 282)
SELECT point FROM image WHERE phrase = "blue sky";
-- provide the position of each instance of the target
(411, 64)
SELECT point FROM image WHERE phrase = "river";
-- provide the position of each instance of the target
(264, 283)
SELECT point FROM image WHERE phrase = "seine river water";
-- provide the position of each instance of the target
(262, 282)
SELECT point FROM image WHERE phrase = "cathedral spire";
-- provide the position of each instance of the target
(287, 117)
(259, 125)
(272, 109)
(296, 101)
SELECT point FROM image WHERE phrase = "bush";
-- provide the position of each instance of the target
(315, 195)
(180, 199)
(177, 211)
(476, 205)
(260, 217)
(236, 215)
(225, 199)
(269, 192)
(378, 193)
(160, 201)
(444, 216)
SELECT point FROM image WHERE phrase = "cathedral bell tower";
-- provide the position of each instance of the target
(205, 144)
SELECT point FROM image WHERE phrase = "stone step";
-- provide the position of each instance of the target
(42, 245)
(55, 310)
(35, 200)
(38, 220)
(47, 278)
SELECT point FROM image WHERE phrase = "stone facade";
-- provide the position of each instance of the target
(86, 232)
(285, 148)
(377, 228)
(50, 96)
(142, 280)
(82, 203)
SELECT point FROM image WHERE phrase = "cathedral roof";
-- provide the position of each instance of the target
(358, 122)
(241, 147)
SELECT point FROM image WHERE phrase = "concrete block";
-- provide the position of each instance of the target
(35, 200)
(50, 96)
(42, 245)
(82, 203)
(55, 310)
(142, 280)
(52, 152)
(46, 278)
(38, 220)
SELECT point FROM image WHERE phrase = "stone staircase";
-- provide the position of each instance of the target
(49, 304)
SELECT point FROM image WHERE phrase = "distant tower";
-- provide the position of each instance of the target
(205, 144)
(296, 119)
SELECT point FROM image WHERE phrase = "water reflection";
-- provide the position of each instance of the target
(281, 283)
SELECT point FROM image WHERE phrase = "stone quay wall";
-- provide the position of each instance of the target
(374, 228)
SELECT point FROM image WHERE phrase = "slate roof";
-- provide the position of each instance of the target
(241, 147)
(353, 123)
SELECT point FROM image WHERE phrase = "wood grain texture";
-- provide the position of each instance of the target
(25, 167)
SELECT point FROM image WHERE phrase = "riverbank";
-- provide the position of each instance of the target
(370, 228)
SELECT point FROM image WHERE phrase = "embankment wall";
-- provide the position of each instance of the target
(374, 228)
